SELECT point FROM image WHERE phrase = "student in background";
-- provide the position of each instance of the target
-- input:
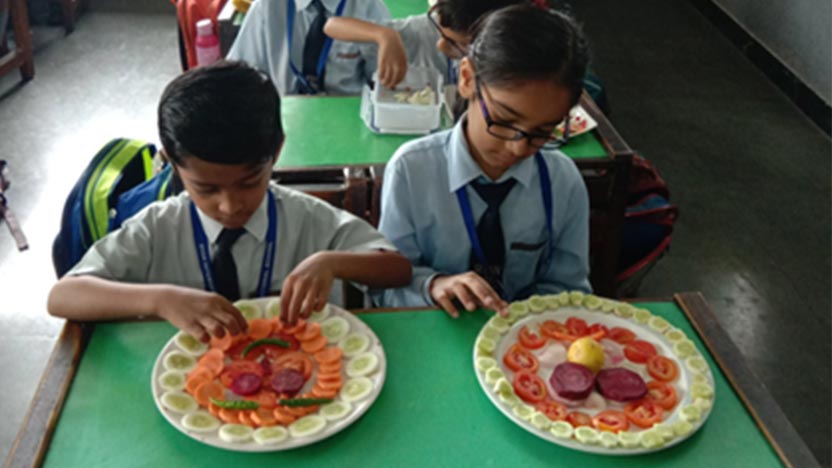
(286, 40)
(233, 233)
(488, 212)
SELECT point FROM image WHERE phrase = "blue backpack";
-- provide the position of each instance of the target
(117, 183)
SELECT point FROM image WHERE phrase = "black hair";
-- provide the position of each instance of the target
(525, 42)
(461, 15)
(225, 113)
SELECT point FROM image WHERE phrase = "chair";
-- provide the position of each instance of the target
(69, 10)
(21, 57)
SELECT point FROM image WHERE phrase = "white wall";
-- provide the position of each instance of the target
(797, 32)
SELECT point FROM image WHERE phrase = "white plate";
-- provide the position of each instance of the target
(333, 427)
(560, 312)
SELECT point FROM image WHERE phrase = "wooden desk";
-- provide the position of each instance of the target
(441, 419)
(21, 56)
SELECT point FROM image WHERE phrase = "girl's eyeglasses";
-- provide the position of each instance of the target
(434, 19)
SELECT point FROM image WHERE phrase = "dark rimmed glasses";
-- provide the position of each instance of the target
(432, 16)
(507, 132)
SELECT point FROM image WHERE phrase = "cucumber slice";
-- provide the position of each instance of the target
(499, 323)
(235, 433)
(273, 308)
(624, 310)
(664, 430)
(629, 439)
(701, 390)
(658, 323)
(586, 435)
(674, 335)
(608, 439)
(190, 345)
(250, 309)
(177, 361)
(270, 435)
(642, 316)
(517, 309)
(179, 402)
(354, 344)
(540, 421)
(172, 381)
(493, 375)
(490, 333)
(592, 302)
(509, 398)
(363, 364)
(562, 430)
(320, 315)
(307, 426)
(485, 363)
(651, 439)
(697, 377)
(696, 363)
(684, 348)
(682, 428)
(200, 421)
(607, 305)
(486, 346)
(523, 411)
(537, 304)
(576, 298)
(503, 386)
(356, 389)
(335, 328)
(335, 410)
(690, 414)
(704, 404)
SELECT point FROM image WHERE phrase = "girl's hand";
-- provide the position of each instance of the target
(199, 313)
(468, 288)
(392, 59)
(306, 289)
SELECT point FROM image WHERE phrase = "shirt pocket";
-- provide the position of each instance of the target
(524, 262)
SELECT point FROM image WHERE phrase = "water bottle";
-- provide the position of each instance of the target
(207, 43)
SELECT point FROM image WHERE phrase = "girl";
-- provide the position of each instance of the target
(489, 211)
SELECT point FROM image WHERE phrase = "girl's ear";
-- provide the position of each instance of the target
(467, 78)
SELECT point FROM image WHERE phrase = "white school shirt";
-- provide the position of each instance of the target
(262, 42)
(157, 244)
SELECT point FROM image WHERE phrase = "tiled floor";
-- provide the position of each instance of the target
(750, 173)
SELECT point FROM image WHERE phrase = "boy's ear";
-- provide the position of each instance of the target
(164, 155)
(467, 78)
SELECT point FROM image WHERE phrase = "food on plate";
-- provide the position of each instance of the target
(621, 384)
(572, 381)
(586, 352)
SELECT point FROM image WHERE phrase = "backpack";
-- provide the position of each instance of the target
(117, 183)
(648, 225)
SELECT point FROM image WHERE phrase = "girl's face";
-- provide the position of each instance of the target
(533, 106)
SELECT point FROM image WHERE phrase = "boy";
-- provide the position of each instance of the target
(436, 40)
(220, 128)
(286, 40)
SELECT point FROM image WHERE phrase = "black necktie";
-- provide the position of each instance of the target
(225, 271)
(490, 233)
(312, 47)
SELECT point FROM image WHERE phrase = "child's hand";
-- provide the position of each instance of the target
(306, 289)
(199, 313)
(468, 288)
(392, 59)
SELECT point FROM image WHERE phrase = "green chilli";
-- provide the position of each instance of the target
(265, 341)
(236, 404)
(304, 401)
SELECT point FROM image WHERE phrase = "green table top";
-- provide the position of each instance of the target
(328, 131)
(431, 411)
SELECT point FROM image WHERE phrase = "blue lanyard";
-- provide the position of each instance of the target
(290, 27)
(204, 253)
(452, 78)
(468, 216)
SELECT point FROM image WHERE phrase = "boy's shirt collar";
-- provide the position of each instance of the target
(256, 225)
(330, 5)
(462, 169)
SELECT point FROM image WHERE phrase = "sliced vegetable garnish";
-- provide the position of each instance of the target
(530, 387)
(296, 402)
(236, 404)
(530, 339)
(644, 413)
(611, 420)
(639, 351)
(265, 341)
(556, 330)
(578, 419)
(517, 358)
(662, 368)
(621, 335)
(663, 394)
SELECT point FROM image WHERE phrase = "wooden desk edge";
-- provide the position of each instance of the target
(33, 439)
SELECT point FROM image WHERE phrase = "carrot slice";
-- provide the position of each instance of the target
(208, 390)
(230, 416)
(277, 325)
(330, 385)
(266, 398)
(223, 343)
(295, 411)
(200, 372)
(296, 329)
(214, 410)
(192, 384)
(245, 418)
(329, 355)
(319, 392)
(260, 328)
(213, 354)
(215, 366)
(312, 331)
(329, 377)
(315, 345)
(263, 417)
(283, 417)
(330, 368)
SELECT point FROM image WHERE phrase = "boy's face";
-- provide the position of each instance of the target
(228, 193)
(454, 44)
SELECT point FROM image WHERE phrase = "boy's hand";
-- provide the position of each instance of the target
(468, 288)
(392, 59)
(199, 313)
(306, 289)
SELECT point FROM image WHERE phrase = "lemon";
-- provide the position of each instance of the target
(586, 352)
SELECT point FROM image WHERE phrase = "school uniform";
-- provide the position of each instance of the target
(422, 216)
(158, 245)
(263, 42)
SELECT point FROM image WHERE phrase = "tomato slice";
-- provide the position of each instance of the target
(530, 340)
(556, 330)
(662, 368)
(639, 351)
(235, 368)
(663, 394)
(518, 358)
(296, 360)
(552, 409)
(530, 387)
(236, 350)
(577, 327)
(598, 331)
(621, 335)
(578, 418)
(611, 420)
(644, 413)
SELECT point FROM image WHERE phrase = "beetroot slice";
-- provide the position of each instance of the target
(288, 381)
(572, 381)
(247, 383)
(621, 384)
